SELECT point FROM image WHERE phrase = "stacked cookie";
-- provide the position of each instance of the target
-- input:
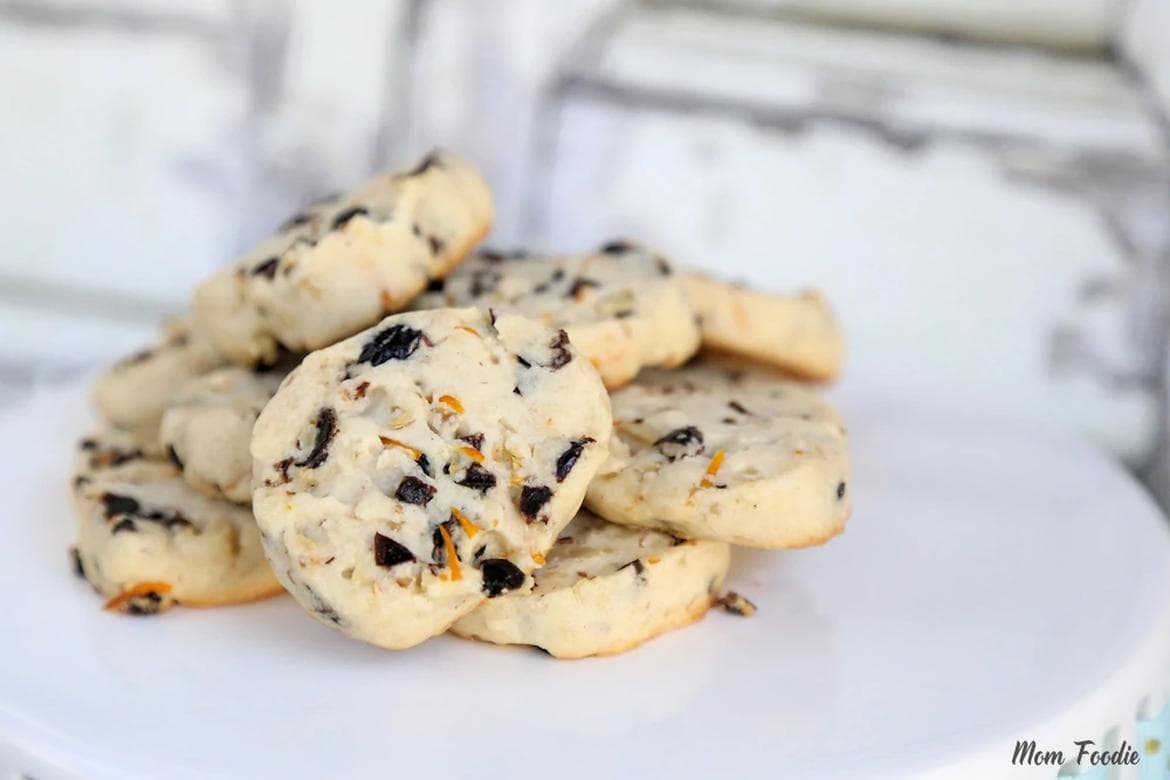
(411, 436)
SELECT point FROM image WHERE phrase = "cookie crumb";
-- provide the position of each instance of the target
(737, 605)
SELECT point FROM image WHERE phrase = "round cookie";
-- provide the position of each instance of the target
(148, 541)
(408, 473)
(604, 589)
(718, 451)
(797, 333)
(119, 455)
(207, 429)
(344, 263)
(622, 306)
(133, 393)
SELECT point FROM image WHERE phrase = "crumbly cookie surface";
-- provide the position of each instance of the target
(797, 333)
(207, 429)
(344, 263)
(719, 451)
(410, 472)
(622, 306)
(148, 541)
(604, 589)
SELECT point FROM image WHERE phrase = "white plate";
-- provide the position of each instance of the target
(991, 586)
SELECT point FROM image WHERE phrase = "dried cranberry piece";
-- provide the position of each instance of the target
(499, 575)
(388, 552)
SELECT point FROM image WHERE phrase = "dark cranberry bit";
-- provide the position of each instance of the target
(436, 285)
(737, 605)
(136, 358)
(388, 552)
(484, 281)
(556, 277)
(569, 457)
(119, 505)
(477, 478)
(737, 406)
(282, 468)
(326, 430)
(398, 342)
(267, 269)
(412, 490)
(319, 605)
(474, 439)
(425, 164)
(579, 284)
(125, 524)
(343, 217)
(617, 247)
(424, 463)
(663, 267)
(532, 498)
(680, 443)
(560, 348)
(516, 391)
(302, 218)
(439, 546)
(523, 362)
(88, 444)
(145, 604)
(436, 244)
(639, 567)
(499, 575)
(173, 457)
(840, 490)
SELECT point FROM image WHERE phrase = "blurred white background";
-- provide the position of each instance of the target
(982, 189)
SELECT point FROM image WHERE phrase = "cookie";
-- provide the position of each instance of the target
(604, 589)
(797, 333)
(207, 429)
(148, 541)
(719, 451)
(114, 454)
(133, 393)
(344, 263)
(408, 473)
(622, 306)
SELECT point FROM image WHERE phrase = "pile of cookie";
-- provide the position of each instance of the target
(412, 435)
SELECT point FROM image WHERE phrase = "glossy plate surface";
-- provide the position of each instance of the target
(993, 584)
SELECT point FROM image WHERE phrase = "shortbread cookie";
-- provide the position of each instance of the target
(148, 541)
(408, 473)
(604, 589)
(344, 263)
(797, 333)
(622, 306)
(716, 451)
(133, 393)
(207, 429)
(114, 454)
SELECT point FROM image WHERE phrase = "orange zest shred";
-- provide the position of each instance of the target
(452, 558)
(469, 528)
(472, 453)
(453, 402)
(713, 468)
(469, 329)
(388, 442)
(654, 558)
(538, 558)
(141, 589)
